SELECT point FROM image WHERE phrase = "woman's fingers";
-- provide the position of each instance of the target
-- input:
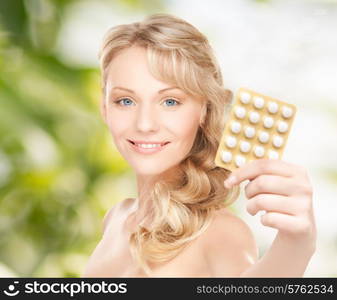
(258, 167)
(272, 203)
(294, 225)
(270, 184)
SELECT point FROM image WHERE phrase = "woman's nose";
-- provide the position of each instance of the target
(146, 119)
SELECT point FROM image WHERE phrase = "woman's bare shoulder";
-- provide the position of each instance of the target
(226, 225)
(230, 246)
(117, 207)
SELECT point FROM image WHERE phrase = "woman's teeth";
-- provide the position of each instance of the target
(148, 145)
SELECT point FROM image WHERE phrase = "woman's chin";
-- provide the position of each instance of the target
(149, 169)
(149, 172)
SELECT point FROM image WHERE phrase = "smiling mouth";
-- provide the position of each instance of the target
(147, 144)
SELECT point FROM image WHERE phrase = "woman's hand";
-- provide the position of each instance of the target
(284, 191)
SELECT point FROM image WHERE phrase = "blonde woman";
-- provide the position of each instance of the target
(164, 103)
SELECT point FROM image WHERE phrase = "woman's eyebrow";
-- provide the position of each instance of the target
(132, 92)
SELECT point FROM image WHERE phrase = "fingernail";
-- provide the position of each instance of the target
(230, 181)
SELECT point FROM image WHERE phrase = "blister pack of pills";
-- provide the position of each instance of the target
(257, 127)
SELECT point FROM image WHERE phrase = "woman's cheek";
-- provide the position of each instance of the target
(184, 127)
(184, 121)
(117, 124)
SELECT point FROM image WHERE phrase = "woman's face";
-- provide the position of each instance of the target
(153, 125)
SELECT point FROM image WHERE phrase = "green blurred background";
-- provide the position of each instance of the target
(59, 170)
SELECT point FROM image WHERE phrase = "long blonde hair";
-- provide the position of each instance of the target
(178, 54)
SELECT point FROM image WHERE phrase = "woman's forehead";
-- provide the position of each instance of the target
(135, 71)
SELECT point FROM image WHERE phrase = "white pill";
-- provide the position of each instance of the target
(254, 117)
(268, 122)
(273, 154)
(240, 112)
(277, 141)
(226, 156)
(258, 102)
(273, 107)
(239, 160)
(287, 112)
(235, 127)
(259, 151)
(231, 141)
(245, 97)
(249, 132)
(263, 137)
(282, 126)
(244, 146)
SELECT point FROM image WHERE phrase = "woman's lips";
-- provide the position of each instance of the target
(147, 143)
(138, 148)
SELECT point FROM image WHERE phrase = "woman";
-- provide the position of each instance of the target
(164, 103)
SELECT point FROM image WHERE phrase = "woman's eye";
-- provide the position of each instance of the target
(124, 101)
(129, 102)
(171, 102)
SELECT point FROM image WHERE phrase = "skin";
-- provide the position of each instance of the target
(227, 248)
(284, 192)
(151, 116)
